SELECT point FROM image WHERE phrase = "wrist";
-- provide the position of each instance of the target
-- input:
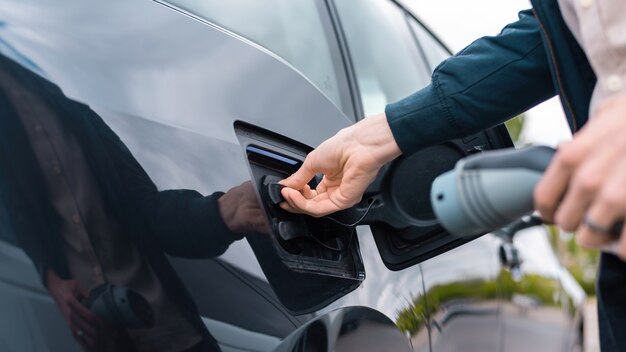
(51, 279)
(227, 211)
(51, 276)
(375, 135)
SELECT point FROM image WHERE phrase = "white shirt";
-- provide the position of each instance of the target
(599, 26)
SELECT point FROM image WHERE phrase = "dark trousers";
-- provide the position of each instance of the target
(611, 290)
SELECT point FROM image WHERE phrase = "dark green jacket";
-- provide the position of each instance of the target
(496, 78)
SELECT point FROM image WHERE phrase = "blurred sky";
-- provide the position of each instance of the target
(459, 22)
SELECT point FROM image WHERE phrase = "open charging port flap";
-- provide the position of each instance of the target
(310, 262)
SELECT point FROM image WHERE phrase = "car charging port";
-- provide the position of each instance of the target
(272, 190)
(304, 244)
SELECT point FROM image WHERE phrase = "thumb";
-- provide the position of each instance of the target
(81, 292)
(301, 177)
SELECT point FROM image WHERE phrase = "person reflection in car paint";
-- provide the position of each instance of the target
(86, 213)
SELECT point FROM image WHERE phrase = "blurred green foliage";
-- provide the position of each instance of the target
(515, 127)
(539, 288)
(581, 263)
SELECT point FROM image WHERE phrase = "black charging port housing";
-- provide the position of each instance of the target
(317, 252)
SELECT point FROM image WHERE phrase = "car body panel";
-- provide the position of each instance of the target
(172, 86)
(533, 312)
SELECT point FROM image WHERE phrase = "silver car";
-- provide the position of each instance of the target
(208, 94)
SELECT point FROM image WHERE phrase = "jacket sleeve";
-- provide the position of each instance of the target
(488, 82)
(181, 223)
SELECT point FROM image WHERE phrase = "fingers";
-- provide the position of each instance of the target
(550, 189)
(259, 223)
(309, 193)
(305, 173)
(81, 325)
(80, 291)
(86, 315)
(321, 187)
(86, 341)
(603, 216)
(73, 327)
(583, 189)
(84, 325)
(320, 205)
(349, 161)
(591, 174)
(83, 332)
(83, 312)
(621, 247)
(608, 208)
(566, 162)
(82, 319)
(93, 328)
(332, 195)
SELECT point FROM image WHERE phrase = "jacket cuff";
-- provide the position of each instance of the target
(221, 231)
(421, 120)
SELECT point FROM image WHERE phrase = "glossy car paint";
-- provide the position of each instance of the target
(171, 86)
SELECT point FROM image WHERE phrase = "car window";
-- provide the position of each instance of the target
(387, 61)
(433, 51)
(294, 30)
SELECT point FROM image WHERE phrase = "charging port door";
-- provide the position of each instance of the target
(309, 262)
(403, 222)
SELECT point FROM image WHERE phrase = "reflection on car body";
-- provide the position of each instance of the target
(91, 220)
(172, 79)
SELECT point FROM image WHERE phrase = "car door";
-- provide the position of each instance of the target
(534, 313)
(393, 54)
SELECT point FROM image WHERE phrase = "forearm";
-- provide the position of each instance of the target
(187, 224)
(179, 222)
(490, 81)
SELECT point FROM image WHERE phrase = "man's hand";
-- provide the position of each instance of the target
(584, 188)
(241, 211)
(89, 330)
(349, 162)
